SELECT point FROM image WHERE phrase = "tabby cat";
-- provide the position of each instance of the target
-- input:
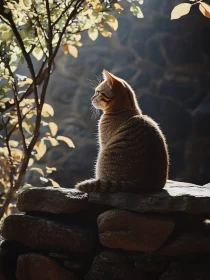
(133, 154)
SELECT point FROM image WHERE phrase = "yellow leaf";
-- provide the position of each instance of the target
(43, 179)
(30, 162)
(55, 184)
(66, 140)
(13, 143)
(112, 22)
(65, 49)
(53, 128)
(105, 33)
(28, 126)
(16, 154)
(53, 141)
(26, 82)
(47, 110)
(78, 44)
(180, 10)
(93, 33)
(73, 51)
(118, 8)
(40, 148)
(205, 9)
(50, 169)
(39, 170)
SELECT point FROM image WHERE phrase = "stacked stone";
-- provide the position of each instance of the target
(67, 235)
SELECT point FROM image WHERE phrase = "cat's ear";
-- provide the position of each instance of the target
(109, 77)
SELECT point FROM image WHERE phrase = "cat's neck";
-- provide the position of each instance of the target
(135, 111)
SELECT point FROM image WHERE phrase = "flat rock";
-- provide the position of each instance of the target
(132, 231)
(111, 265)
(50, 235)
(52, 200)
(175, 197)
(39, 267)
(187, 244)
(185, 271)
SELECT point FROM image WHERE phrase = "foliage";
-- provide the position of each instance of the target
(33, 30)
(184, 8)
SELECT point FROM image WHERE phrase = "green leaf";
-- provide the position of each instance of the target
(93, 33)
(25, 4)
(136, 10)
(6, 35)
(38, 53)
(28, 126)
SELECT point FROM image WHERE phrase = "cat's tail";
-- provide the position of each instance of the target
(98, 185)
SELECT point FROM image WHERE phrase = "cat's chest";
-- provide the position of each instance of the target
(107, 127)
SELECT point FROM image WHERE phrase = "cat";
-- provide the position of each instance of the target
(133, 155)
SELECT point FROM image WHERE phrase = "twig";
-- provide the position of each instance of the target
(39, 80)
(70, 18)
(17, 103)
(11, 175)
(64, 11)
(50, 35)
(27, 58)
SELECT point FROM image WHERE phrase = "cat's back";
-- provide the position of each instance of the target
(141, 144)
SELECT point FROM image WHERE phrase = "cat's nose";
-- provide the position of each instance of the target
(92, 98)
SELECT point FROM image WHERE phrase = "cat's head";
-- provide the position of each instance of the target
(113, 94)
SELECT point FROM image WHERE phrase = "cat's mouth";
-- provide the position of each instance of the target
(95, 102)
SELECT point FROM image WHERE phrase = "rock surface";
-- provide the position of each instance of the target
(52, 200)
(175, 197)
(43, 234)
(186, 244)
(185, 271)
(132, 231)
(39, 267)
(109, 265)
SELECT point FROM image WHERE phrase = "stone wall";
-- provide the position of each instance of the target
(65, 234)
(167, 64)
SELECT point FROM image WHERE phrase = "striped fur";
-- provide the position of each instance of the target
(133, 153)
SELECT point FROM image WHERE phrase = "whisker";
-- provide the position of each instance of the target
(95, 112)
(100, 78)
(92, 82)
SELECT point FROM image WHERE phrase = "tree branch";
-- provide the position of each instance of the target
(50, 34)
(27, 58)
